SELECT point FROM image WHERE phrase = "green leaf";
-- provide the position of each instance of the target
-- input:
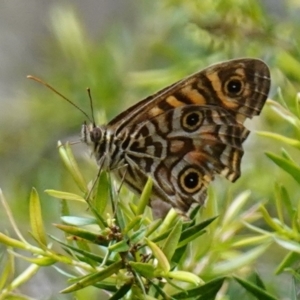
(288, 260)
(282, 199)
(283, 139)
(208, 291)
(137, 236)
(288, 63)
(193, 232)
(14, 243)
(153, 227)
(71, 164)
(163, 262)
(179, 254)
(64, 195)
(263, 238)
(102, 193)
(64, 208)
(285, 154)
(256, 291)
(84, 246)
(194, 212)
(285, 198)
(36, 219)
(184, 276)
(145, 196)
(269, 220)
(7, 268)
(239, 261)
(108, 285)
(172, 240)
(286, 165)
(16, 297)
(135, 221)
(288, 244)
(235, 207)
(162, 236)
(93, 237)
(187, 235)
(122, 291)
(120, 218)
(168, 222)
(40, 261)
(86, 255)
(144, 269)
(25, 276)
(78, 221)
(284, 113)
(297, 102)
(259, 281)
(121, 246)
(94, 277)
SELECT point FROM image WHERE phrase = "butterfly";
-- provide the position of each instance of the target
(185, 134)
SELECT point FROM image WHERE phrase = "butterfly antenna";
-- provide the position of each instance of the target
(61, 95)
(91, 106)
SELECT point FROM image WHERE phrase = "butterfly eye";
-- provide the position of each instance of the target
(234, 86)
(96, 134)
(190, 180)
(191, 121)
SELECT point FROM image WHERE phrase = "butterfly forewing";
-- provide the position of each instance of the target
(207, 87)
(186, 133)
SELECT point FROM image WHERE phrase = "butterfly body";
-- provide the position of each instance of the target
(184, 134)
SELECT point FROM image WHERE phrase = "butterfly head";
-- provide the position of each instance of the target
(92, 134)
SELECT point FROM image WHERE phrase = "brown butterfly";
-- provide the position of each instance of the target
(184, 134)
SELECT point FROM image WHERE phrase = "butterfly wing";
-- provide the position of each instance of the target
(183, 157)
(240, 86)
(188, 132)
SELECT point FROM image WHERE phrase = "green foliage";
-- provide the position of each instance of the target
(132, 255)
(235, 247)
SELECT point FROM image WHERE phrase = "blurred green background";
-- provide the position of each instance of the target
(124, 51)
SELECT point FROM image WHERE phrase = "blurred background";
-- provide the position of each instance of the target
(125, 50)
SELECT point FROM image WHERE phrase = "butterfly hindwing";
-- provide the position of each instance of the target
(183, 157)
